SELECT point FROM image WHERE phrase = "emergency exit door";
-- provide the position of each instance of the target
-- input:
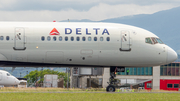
(125, 41)
(19, 39)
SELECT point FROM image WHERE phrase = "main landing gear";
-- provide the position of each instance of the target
(113, 83)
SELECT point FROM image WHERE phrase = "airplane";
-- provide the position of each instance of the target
(7, 79)
(55, 44)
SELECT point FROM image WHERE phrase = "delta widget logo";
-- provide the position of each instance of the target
(54, 32)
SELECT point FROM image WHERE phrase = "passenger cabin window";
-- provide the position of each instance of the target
(48, 38)
(108, 38)
(54, 38)
(95, 38)
(66, 38)
(77, 38)
(1, 38)
(72, 38)
(101, 38)
(60, 38)
(7, 38)
(84, 38)
(89, 38)
(42, 38)
(148, 40)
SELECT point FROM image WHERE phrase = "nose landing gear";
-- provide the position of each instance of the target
(113, 83)
(110, 88)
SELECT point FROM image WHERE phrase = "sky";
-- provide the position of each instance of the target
(95, 10)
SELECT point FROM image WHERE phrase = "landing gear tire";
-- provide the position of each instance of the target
(110, 88)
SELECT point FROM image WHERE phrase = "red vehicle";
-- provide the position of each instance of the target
(172, 85)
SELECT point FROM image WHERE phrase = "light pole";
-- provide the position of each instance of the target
(27, 77)
(67, 71)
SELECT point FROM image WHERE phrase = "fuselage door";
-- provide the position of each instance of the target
(125, 40)
(19, 39)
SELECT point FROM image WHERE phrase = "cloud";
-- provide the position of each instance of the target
(96, 13)
(80, 5)
(54, 5)
(7, 3)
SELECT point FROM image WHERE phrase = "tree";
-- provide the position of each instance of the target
(35, 76)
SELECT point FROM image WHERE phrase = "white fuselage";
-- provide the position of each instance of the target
(7, 79)
(116, 45)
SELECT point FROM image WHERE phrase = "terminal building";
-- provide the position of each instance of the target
(164, 77)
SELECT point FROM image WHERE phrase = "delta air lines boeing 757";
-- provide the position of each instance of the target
(55, 44)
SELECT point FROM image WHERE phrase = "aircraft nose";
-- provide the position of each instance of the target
(171, 55)
(17, 81)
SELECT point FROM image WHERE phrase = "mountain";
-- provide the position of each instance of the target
(83, 20)
(165, 24)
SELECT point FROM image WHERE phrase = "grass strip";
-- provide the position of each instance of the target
(89, 96)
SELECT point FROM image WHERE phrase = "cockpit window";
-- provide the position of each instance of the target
(148, 40)
(154, 40)
(159, 41)
(8, 74)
